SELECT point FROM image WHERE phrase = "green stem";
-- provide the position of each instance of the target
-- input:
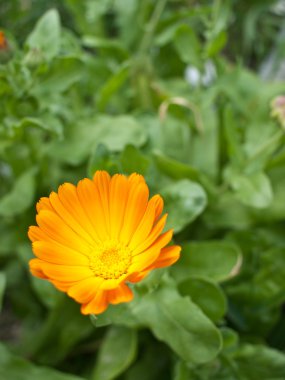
(151, 26)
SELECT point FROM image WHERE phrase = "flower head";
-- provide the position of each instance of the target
(3, 41)
(278, 109)
(93, 238)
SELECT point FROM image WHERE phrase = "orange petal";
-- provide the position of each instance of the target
(137, 276)
(154, 234)
(145, 226)
(158, 206)
(36, 270)
(84, 291)
(121, 294)
(36, 234)
(135, 179)
(102, 183)
(69, 209)
(44, 204)
(168, 256)
(97, 305)
(148, 257)
(89, 197)
(65, 273)
(58, 254)
(59, 231)
(119, 190)
(135, 209)
(62, 286)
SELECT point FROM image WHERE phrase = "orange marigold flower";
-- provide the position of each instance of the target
(94, 237)
(3, 41)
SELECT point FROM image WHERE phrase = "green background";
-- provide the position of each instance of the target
(179, 91)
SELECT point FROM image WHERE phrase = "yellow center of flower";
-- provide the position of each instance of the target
(110, 260)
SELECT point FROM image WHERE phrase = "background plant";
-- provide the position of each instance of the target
(180, 92)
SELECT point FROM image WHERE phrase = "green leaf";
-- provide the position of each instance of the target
(133, 160)
(117, 132)
(45, 291)
(64, 327)
(116, 354)
(21, 196)
(187, 45)
(259, 362)
(2, 288)
(153, 359)
(102, 159)
(179, 323)
(207, 295)
(46, 123)
(215, 260)
(117, 314)
(112, 85)
(13, 367)
(173, 168)
(63, 73)
(105, 43)
(184, 201)
(230, 338)
(253, 190)
(215, 45)
(45, 38)
(114, 132)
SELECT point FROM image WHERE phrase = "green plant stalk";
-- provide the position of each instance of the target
(151, 26)
(142, 66)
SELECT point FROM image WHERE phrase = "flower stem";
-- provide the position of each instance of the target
(151, 26)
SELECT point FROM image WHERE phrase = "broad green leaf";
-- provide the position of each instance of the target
(2, 288)
(63, 73)
(187, 45)
(230, 338)
(276, 211)
(253, 190)
(215, 260)
(117, 314)
(215, 45)
(172, 136)
(46, 292)
(204, 151)
(64, 327)
(13, 367)
(260, 362)
(116, 354)
(184, 201)
(20, 197)
(260, 287)
(207, 295)
(45, 38)
(173, 168)
(181, 371)
(180, 323)
(115, 132)
(8, 239)
(133, 160)
(153, 359)
(45, 122)
(227, 212)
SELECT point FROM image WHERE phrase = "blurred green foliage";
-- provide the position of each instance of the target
(176, 91)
